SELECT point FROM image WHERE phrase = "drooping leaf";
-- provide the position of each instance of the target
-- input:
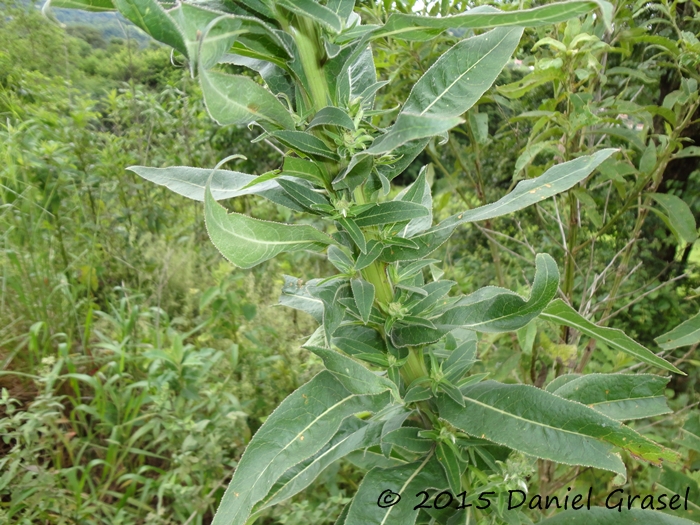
(415, 27)
(406, 481)
(619, 396)
(555, 180)
(543, 425)
(679, 214)
(561, 313)
(295, 431)
(225, 184)
(363, 292)
(235, 99)
(246, 242)
(685, 334)
(603, 516)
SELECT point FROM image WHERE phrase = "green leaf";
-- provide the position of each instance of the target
(546, 426)
(461, 358)
(296, 294)
(331, 116)
(619, 396)
(246, 242)
(354, 232)
(364, 297)
(460, 76)
(685, 334)
(522, 87)
(302, 194)
(154, 20)
(408, 127)
(374, 249)
(316, 12)
(295, 431)
(341, 260)
(433, 293)
(191, 182)
(408, 439)
(493, 309)
(419, 392)
(306, 143)
(555, 180)
(390, 212)
(419, 193)
(303, 169)
(682, 220)
(561, 313)
(690, 433)
(235, 99)
(85, 5)
(357, 436)
(353, 376)
(404, 480)
(414, 27)
(603, 516)
(451, 464)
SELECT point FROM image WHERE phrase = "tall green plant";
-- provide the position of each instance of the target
(397, 394)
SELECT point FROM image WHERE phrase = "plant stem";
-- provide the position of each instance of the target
(307, 42)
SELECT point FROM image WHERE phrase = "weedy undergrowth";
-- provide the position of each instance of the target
(397, 394)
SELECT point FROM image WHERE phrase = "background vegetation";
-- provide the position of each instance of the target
(135, 363)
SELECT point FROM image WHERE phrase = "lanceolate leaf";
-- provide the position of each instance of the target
(391, 212)
(405, 480)
(358, 435)
(353, 376)
(619, 396)
(225, 184)
(247, 242)
(685, 334)
(330, 116)
(295, 431)
(543, 425)
(235, 99)
(363, 292)
(679, 214)
(459, 77)
(297, 294)
(414, 27)
(555, 180)
(306, 143)
(603, 516)
(408, 127)
(493, 309)
(561, 313)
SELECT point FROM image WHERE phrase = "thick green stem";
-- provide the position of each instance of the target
(310, 53)
(414, 368)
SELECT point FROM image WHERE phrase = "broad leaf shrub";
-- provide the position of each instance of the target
(397, 394)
